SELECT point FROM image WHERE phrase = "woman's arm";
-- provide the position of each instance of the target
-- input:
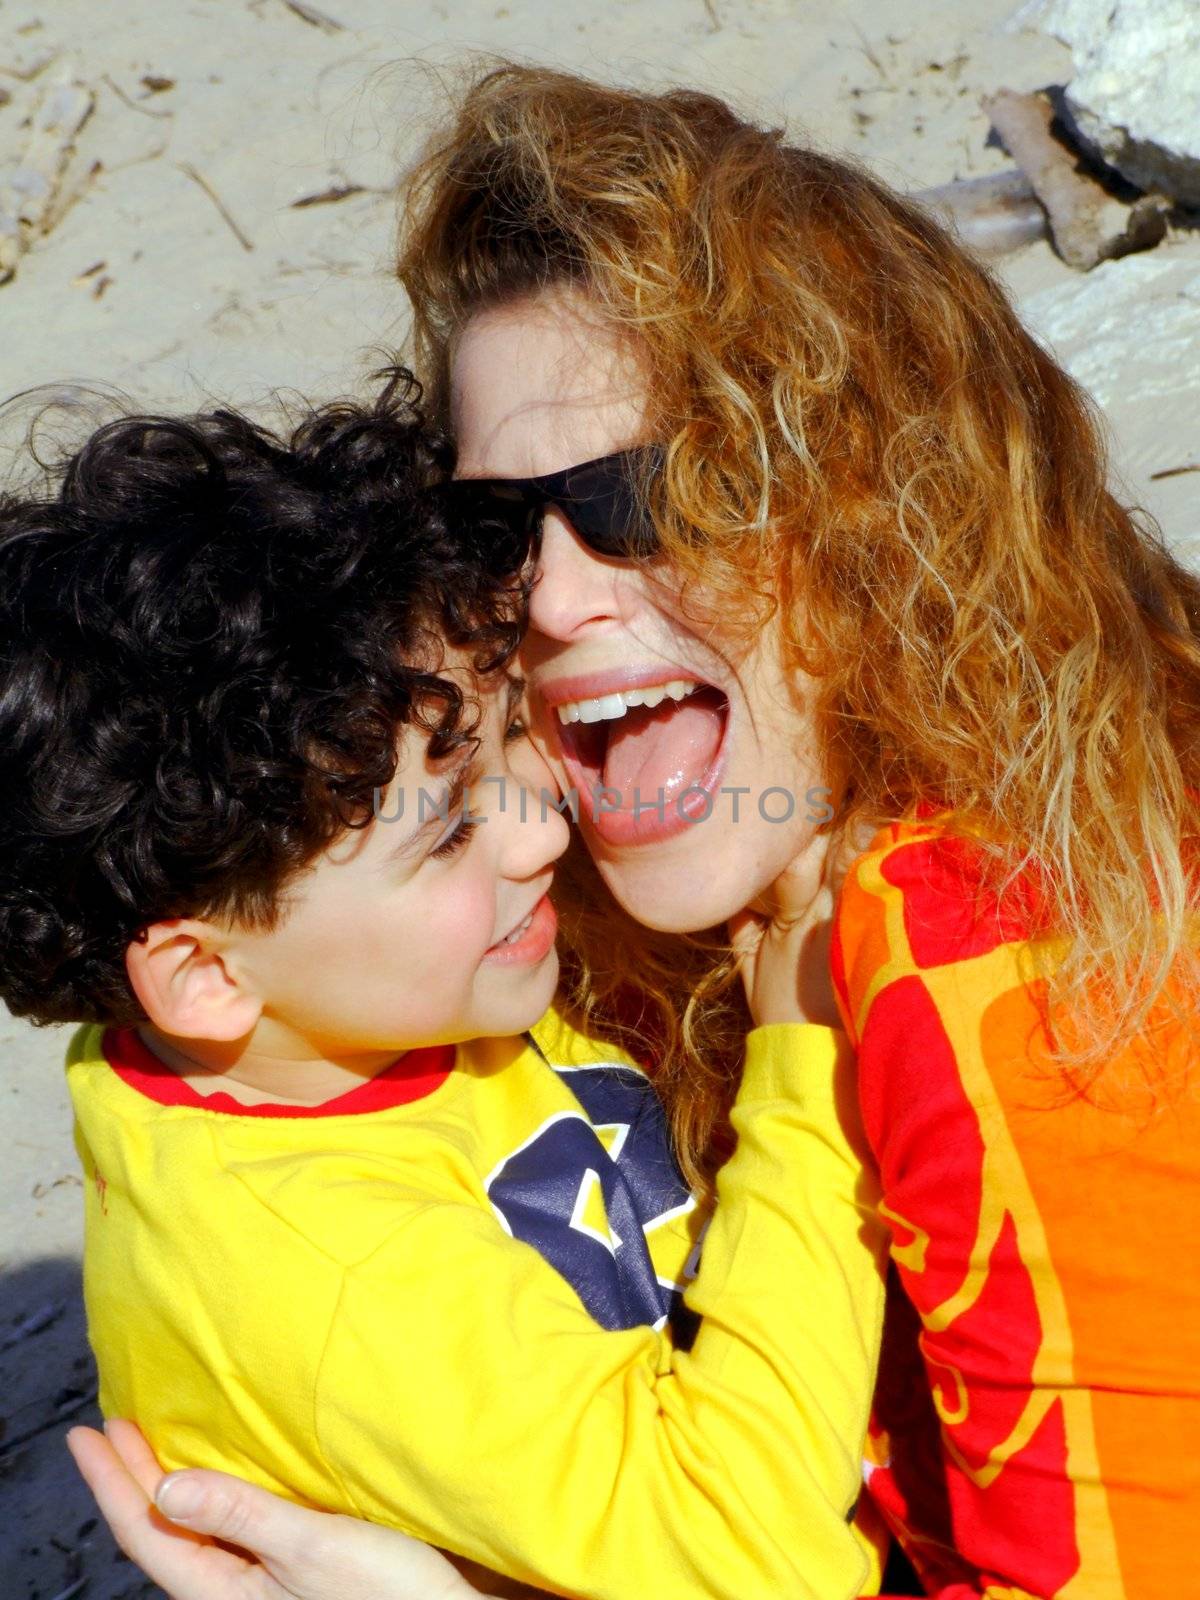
(169, 1526)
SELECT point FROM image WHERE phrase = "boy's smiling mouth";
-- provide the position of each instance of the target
(530, 940)
(644, 749)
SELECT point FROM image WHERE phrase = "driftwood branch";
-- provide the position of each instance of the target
(1087, 223)
(993, 215)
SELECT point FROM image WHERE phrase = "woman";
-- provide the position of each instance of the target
(882, 573)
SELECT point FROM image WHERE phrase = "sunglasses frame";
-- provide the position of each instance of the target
(611, 520)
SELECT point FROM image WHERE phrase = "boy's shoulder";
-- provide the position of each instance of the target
(86, 1046)
(89, 1073)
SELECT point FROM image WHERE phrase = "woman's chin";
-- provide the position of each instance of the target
(706, 875)
(678, 897)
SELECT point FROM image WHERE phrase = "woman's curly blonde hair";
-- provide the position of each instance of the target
(863, 437)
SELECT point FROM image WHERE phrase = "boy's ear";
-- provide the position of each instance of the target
(179, 974)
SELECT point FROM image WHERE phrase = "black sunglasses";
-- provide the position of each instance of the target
(603, 500)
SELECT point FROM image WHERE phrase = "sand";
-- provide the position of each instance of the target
(185, 269)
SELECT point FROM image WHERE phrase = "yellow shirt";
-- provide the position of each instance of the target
(448, 1312)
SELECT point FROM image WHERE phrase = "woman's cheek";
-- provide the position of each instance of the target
(548, 768)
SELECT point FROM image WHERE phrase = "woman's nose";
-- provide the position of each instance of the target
(575, 590)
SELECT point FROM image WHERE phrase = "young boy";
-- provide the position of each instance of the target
(351, 1230)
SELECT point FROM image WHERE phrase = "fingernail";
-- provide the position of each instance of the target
(178, 1496)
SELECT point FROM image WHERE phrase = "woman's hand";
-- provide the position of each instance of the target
(783, 939)
(169, 1525)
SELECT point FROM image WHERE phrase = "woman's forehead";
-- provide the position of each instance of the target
(540, 385)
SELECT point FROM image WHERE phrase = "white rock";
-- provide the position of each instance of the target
(1135, 96)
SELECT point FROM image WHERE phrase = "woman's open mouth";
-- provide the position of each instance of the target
(646, 758)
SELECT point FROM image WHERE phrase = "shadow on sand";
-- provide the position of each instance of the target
(52, 1544)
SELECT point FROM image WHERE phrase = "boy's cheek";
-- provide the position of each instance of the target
(458, 923)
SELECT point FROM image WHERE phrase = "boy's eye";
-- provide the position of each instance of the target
(517, 729)
(458, 837)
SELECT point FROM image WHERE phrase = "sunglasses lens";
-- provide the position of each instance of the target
(603, 500)
(605, 504)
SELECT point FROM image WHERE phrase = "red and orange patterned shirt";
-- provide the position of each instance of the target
(1038, 1417)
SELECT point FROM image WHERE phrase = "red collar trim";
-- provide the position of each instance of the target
(416, 1074)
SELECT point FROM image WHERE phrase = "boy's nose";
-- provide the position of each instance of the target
(538, 833)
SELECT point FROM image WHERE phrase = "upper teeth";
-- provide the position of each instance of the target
(521, 927)
(608, 706)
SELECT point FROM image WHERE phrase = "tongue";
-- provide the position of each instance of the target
(667, 748)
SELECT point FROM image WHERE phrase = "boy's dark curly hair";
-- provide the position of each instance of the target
(209, 638)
